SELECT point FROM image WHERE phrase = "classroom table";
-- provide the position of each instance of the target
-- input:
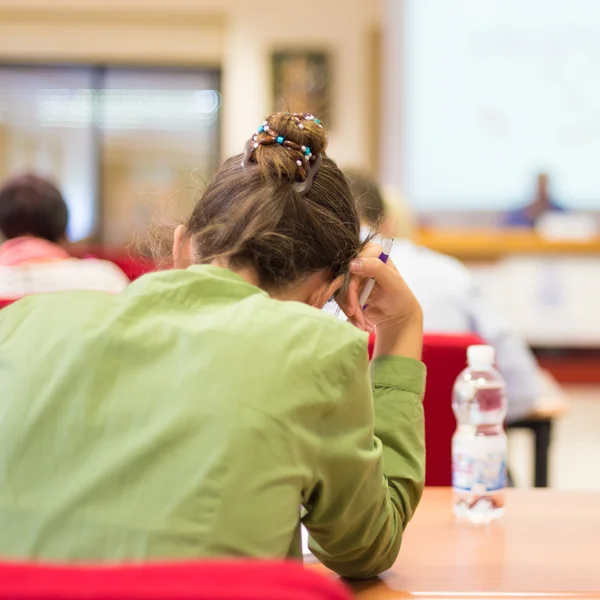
(552, 403)
(547, 545)
(494, 244)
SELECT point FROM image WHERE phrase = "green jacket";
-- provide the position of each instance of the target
(191, 416)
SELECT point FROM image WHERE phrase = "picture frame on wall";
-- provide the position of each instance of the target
(301, 82)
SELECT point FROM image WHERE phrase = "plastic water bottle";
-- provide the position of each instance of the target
(479, 444)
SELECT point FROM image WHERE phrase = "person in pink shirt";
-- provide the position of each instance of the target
(33, 221)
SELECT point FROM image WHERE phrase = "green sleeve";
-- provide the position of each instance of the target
(372, 468)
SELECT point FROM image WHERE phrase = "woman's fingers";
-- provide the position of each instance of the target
(359, 319)
(357, 282)
(362, 323)
(371, 250)
(349, 300)
(373, 268)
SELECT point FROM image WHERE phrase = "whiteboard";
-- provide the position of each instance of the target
(495, 91)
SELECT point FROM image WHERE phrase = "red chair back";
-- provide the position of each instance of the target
(210, 580)
(445, 356)
(132, 265)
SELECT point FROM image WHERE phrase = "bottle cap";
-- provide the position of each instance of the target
(481, 356)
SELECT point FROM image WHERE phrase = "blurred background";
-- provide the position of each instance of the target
(481, 120)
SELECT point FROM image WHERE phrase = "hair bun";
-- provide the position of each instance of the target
(286, 146)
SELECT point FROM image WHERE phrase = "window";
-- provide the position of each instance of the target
(46, 127)
(119, 142)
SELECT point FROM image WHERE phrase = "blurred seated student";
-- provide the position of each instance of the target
(195, 413)
(541, 204)
(33, 220)
(451, 301)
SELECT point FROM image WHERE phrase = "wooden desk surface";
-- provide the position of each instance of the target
(548, 544)
(493, 244)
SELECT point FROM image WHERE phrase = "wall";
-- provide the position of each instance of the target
(237, 35)
(342, 27)
(390, 145)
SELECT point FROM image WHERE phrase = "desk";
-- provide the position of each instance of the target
(551, 404)
(546, 543)
(494, 244)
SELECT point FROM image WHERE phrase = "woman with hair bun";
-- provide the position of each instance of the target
(195, 413)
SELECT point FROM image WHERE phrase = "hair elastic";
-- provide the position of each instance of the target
(299, 117)
(303, 187)
(309, 163)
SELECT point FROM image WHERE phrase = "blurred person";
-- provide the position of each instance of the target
(452, 302)
(541, 204)
(33, 221)
(195, 413)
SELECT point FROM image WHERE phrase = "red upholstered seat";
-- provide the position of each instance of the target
(210, 580)
(132, 265)
(445, 356)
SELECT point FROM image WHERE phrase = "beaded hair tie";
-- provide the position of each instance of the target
(308, 164)
(298, 118)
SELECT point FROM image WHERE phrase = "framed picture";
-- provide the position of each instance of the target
(301, 82)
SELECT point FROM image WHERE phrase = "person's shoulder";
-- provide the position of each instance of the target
(70, 299)
(104, 274)
(316, 332)
(430, 262)
(516, 217)
(321, 321)
(53, 310)
(97, 264)
(447, 263)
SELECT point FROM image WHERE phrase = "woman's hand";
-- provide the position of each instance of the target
(393, 311)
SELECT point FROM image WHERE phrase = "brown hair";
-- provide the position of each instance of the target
(253, 215)
(370, 203)
(31, 205)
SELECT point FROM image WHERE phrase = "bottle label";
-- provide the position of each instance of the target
(479, 463)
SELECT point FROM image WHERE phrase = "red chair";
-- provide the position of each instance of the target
(132, 265)
(445, 356)
(210, 580)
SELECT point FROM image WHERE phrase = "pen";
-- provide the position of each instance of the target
(386, 248)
